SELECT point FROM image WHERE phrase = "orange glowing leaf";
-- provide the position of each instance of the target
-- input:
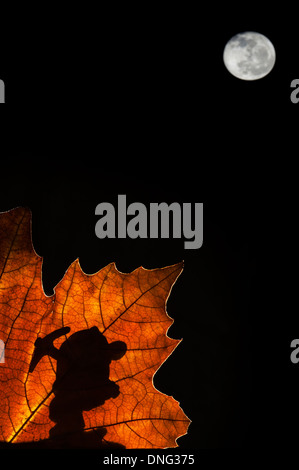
(126, 308)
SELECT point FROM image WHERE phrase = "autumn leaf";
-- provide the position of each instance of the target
(121, 311)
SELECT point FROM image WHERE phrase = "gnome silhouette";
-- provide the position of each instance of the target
(82, 382)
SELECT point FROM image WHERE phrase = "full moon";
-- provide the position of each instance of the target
(249, 56)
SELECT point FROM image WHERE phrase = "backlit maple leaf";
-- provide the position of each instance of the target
(126, 308)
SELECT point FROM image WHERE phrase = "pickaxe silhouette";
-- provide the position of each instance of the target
(45, 347)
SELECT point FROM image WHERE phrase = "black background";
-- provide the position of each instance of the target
(145, 107)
